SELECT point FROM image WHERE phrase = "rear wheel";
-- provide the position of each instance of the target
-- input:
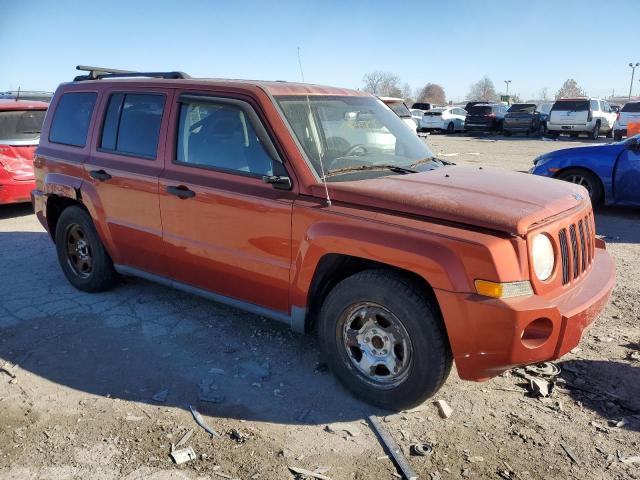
(384, 339)
(595, 133)
(574, 135)
(83, 259)
(451, 128)
(585, 178)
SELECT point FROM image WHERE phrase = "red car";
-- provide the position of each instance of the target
(20, 125)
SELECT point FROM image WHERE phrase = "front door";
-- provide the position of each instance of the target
(225, 230)
(123, 168)
(626, 184)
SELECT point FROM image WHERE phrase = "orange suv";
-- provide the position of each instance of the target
(317, 207)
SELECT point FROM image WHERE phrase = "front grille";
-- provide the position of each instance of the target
(577, 251)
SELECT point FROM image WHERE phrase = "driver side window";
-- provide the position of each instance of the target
(220, 137)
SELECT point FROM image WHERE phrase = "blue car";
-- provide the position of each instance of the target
(611, 173)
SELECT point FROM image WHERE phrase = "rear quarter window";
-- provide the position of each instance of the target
(132, 124)
(71, 118)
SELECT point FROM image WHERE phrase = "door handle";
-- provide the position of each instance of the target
(180, 191)
(99, 175)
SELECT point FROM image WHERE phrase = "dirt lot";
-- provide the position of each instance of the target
(82, 404)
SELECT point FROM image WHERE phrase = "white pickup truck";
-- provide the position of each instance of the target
(574, 116)
(630, 113)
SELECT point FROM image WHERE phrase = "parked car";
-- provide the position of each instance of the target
(615, 108)
(417, 114)
(468, 106)
(422, 106)
(400, 108)
(485, 117)
(400, 263)
(522, 118)
(630, 113)
(575, 116)
(20, 125)
(443, 119)
(610, 172)
(27, 95)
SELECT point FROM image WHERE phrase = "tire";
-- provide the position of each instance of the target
(574, 135)
(609, 134)
(451, 128)
(595, 133)
(81, 254)
(411, 317)
(617, 136)
(542, 129)
(585, 178)
(507, 134)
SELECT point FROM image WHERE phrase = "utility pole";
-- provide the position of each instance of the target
(507, 82)
(633, 71)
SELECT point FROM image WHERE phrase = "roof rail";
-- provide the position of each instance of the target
(97, 73)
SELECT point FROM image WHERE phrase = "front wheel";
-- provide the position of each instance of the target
(83, 258)
(585, 178)
(384, 339)
(450, 128)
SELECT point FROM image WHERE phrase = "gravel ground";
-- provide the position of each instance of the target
(80, 402)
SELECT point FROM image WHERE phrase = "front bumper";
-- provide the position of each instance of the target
(517, 127)
(15, 191)
(486, 334)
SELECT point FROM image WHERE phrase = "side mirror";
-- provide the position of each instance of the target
(278, 182)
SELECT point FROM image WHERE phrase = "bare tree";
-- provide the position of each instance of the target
(483, 90)
(570, 88)
(432, 93)
(544, 94)
(407, 93)
(383, 84)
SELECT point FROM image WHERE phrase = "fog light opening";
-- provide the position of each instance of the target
(537, 333)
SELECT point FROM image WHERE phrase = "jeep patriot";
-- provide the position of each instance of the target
(317, 207)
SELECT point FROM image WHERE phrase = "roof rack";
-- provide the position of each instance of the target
(97, 73)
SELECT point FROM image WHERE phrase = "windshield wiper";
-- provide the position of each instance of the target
(392, 168)
(424, 160)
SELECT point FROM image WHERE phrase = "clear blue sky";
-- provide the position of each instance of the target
(535, 44)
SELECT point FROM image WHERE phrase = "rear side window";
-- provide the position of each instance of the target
(21, 124)
(132, 124)
(400, 109)
(71, 119)
(631, 107)
(571, 105)
(594, 105)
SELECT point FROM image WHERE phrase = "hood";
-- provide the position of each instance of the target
(607, 149)
(485, 197)
(17, 160)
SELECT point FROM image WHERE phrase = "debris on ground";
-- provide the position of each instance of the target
(342, 428)
(185, 438)
(544, 369)
(200, 421)
(540, 388)
(569, 453)
(182, 455)
(9, 369)
(238, 436)
(393, 449)
(634, 459)
(308, 473)
(421, 449)
(161, 396)
(443, 407)
(634, 356)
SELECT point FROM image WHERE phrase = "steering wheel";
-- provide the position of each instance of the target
(359, 147)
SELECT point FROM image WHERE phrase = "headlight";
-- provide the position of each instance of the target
(541, 160)
(543, 256)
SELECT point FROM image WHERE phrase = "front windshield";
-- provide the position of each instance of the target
(339, 133)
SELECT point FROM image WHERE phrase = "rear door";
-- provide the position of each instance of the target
(123, 169)
(627, 177)
(226, 231)
(570, 112)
